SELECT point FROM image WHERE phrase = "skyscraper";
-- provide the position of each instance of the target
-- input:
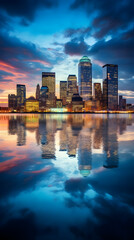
(21, 94)
(97, 91)
(12, 101)
(71, 87)
(122, 103)
(85, 78)
(48, 80)
(98, 95)
(37, 92)
(63, 91)
(110, 87)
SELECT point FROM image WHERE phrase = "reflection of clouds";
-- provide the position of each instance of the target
(52, 182)
(127, 136)
(41, 170)
(11, 163)
(107, 220)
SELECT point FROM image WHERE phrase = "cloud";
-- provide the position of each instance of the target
(1, 90)
(127, 85)
(116, 50)
(19, 59)
(76, 47)
(5, 22)
(78, 32)
(109, 16)
(26, 8)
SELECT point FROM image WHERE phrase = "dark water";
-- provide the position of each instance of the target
(66, 177)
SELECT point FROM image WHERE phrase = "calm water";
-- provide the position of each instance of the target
(66, 177)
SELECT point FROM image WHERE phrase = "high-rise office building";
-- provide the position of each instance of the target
(21, 94)
(97, 91)
(98, 95)
(122, 103)
(38, 92)
(48, 80)
(110, 87)
(12, 101)
(85, 78)
(63, 91)
(71, 87)
(43, 97)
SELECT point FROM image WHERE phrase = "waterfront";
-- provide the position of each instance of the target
(66, 176)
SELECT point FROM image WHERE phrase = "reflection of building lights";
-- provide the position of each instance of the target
(59, 110)
(84, 170)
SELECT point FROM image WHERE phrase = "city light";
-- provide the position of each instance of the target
(74, 96)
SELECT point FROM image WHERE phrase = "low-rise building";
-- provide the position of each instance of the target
(31, 105)
(77, 103)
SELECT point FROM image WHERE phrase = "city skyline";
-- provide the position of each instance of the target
(75, 96)
(48, 36)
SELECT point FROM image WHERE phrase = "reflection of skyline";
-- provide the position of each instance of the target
(17, 126)
(78, 136)
(84, 152)
(47, 135)
(110, 142)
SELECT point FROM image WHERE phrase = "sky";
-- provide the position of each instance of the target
(52, 35)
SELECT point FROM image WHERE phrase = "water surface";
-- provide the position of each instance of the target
(67, 176)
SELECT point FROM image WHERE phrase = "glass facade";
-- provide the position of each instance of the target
(48, 80)
(97, 91)
(21, 94)
(32, 106)
(85, 78)
(12, 101)
(110, 87)
(63, 89)
(37, 92)
(71, 87)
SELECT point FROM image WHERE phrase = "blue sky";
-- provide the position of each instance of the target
(49, 35)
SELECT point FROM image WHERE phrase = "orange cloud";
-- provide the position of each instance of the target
(8, 164)
(39, 61)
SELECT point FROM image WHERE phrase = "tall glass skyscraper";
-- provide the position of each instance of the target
(110, 87)
(85, 78)
(48, 80)
(63, 91)
(37, 92)
(21, 94)
(71, 87)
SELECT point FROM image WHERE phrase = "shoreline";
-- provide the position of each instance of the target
(108, 112)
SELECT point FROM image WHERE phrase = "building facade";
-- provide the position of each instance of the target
(21, 95)
(110, 87)
(77, 103)
(38, 92)
(63, 91)
(12, 101)
(71, 87)
(31, 105)
(98, 95)
(97, 91)
(122, 103)
(85, 78)
(48, 80)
